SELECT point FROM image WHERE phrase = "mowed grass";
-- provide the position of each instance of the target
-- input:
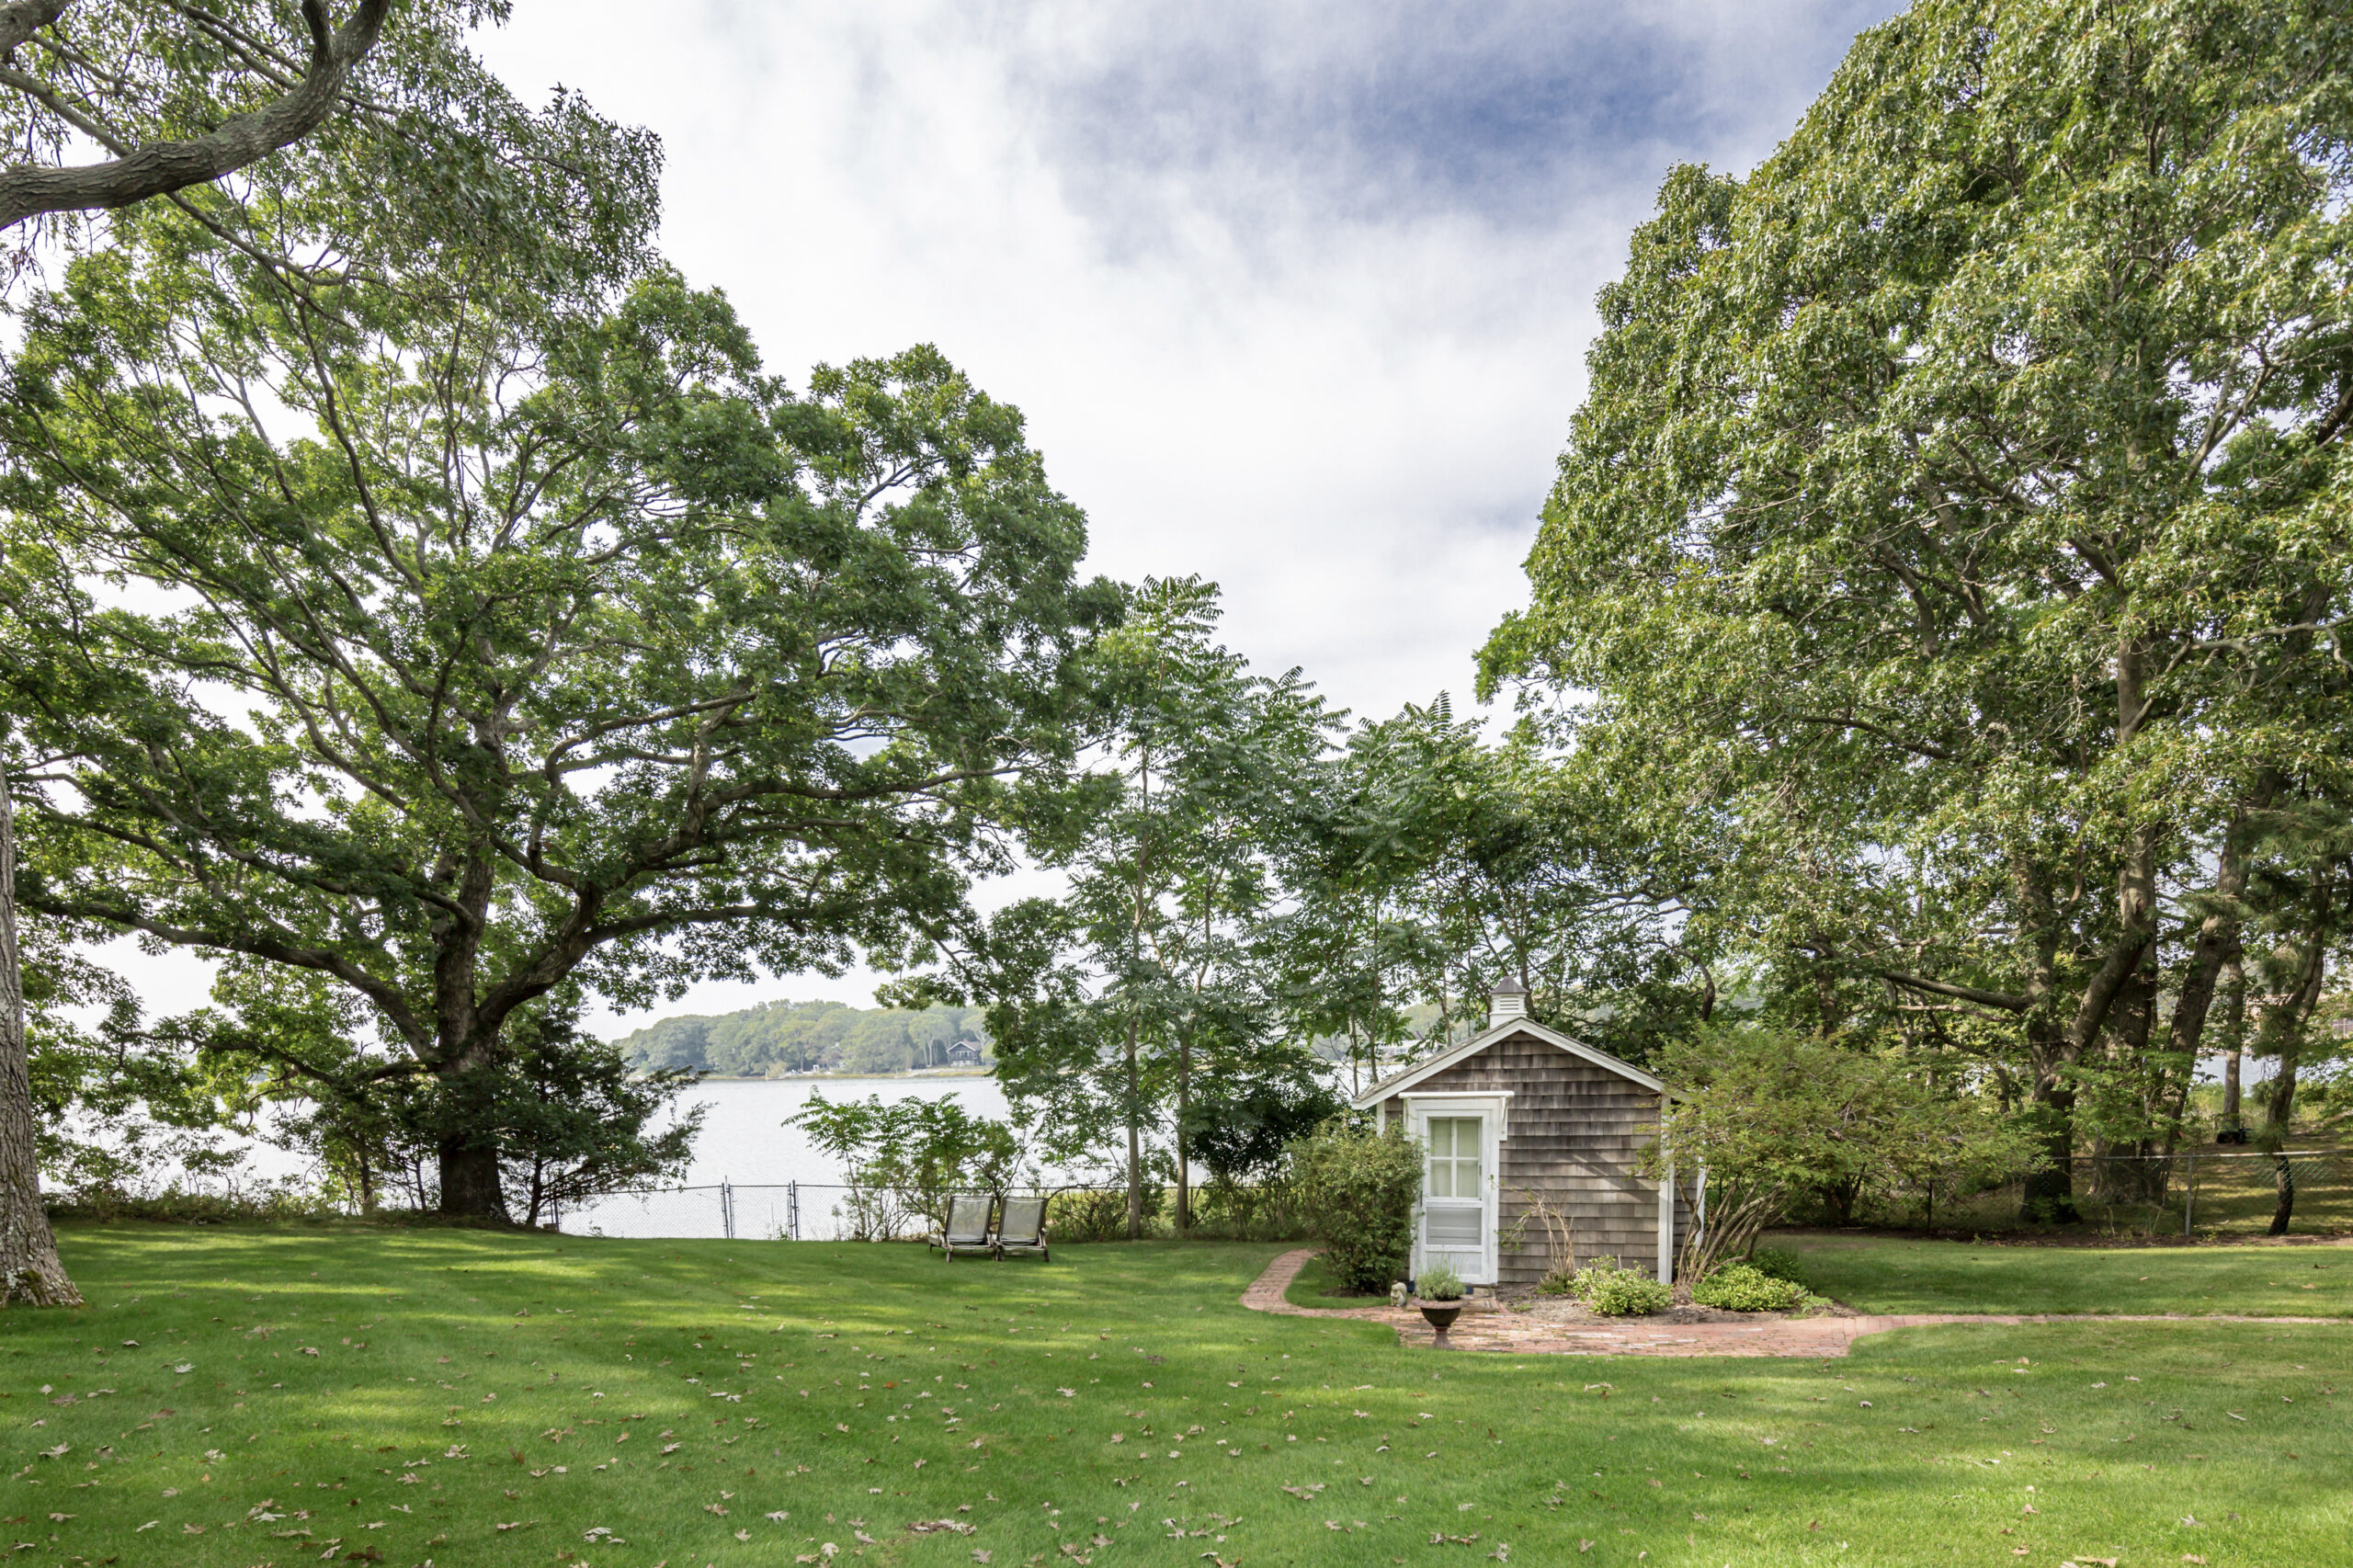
(1887, 1276)
(508, 1400)
(1317, 1286)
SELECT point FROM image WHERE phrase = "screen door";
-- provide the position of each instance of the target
(1454, 1197)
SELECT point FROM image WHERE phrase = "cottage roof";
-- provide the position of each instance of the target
(1479, 1042)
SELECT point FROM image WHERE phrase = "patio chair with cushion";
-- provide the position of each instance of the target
(968, 1225)
(1023, 1229)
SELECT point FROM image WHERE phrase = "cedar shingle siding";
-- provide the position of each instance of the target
(1573, 1133)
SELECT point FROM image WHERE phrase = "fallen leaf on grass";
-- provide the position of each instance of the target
(933, 1527)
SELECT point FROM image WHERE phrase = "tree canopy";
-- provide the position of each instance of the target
(1959, 506)
(476, 629)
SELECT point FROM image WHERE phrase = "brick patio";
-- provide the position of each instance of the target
(1519, 1334)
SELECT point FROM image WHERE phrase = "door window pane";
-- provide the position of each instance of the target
(1455, 1228)
(1454, 1156)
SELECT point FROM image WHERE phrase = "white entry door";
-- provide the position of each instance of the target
(1454, 1195)
(1461, 1136)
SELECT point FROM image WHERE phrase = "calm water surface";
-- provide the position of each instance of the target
(745, 1140)
(744, 1145)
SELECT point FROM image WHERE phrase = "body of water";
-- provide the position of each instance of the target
(754, 1177)
(744, 1141)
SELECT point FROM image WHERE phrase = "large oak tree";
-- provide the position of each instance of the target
(464, 650)
(1965, 491)
(112, 105)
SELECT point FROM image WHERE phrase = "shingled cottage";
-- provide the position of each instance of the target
(1522, 1110)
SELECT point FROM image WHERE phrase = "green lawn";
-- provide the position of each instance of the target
(508, 1400)
(1314, 1287)
(1886, 1276)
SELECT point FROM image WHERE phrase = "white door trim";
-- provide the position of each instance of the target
(1491, 1109)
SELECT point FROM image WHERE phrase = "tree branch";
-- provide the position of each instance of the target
(20, 20)
(160, 167)
(2002, 999)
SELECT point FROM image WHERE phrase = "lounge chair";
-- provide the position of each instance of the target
(1023, 1229)
(968, 1225)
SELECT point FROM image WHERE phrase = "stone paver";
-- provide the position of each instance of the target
(1517, 1335)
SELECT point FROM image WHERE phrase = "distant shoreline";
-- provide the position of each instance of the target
(801, 1078)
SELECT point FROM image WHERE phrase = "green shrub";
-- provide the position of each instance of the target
(1613, 1292)
(1100, 1214)
(1626, 1294)
(1228, 1211)
(1779, 1263)
(1439, 1283)
(1356, 1188)
(1741, 1288)
(264, 1201)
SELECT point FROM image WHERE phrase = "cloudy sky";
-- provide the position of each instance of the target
(1295, 296)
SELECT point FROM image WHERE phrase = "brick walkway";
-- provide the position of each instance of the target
(1513, 1334)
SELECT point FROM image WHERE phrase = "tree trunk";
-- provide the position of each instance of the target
(2235, 1024)
(2215, 954)
(2282, 1037)
(2047, 1194)
(467, 1157)
(470, 1187)
(1184, 1157)
(1838, 1200)
(1135, 1144)
(31, 1270)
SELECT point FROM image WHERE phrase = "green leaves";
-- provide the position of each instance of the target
(457, 638)
(1957, 508)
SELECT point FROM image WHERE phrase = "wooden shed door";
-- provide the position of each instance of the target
(1454, 1197)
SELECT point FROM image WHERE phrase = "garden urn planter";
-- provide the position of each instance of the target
(1441, 1315)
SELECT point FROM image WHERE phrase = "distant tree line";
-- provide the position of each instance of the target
(803, 1037)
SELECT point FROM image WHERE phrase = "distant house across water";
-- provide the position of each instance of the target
(965, 1052)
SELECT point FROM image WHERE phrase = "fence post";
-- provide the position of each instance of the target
(792, 1208)
(2190, 1198)
(727, 1210)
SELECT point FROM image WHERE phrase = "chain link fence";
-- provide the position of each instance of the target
(2193, 1193)
(2200, 1192)
(792, 1211)
(802, 1210)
